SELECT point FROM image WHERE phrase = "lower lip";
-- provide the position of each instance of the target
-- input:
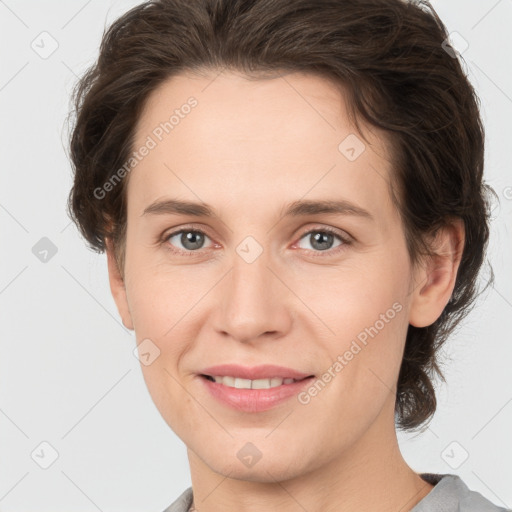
(254, 400)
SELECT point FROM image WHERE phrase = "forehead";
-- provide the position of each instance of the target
(284, 137)
(303, 103)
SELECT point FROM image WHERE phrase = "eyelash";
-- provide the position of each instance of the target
(330, 252)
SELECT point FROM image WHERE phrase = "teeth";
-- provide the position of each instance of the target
(235, 382)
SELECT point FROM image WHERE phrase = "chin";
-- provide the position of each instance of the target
(240, 460)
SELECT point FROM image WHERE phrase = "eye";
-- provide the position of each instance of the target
(191, 240)
(321, 240)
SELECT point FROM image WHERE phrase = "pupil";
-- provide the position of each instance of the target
(323, 239)
(191, 237)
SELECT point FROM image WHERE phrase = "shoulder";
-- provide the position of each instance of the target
(451, 494)
(182, 503)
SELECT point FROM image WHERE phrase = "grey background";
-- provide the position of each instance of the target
(68, 374)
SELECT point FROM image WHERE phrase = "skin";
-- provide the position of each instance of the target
(249, 148)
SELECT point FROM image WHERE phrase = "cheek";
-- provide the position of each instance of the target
(161, 306)
(162, 299)
(364, 320)
(368, 293)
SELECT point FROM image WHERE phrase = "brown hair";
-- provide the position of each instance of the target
(392, 59)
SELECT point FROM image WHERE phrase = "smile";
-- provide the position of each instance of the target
(238, 383)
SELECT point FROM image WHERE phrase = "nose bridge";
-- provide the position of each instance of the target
(251, 302)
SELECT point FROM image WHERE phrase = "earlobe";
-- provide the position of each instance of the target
(436, 279)
(117, 287)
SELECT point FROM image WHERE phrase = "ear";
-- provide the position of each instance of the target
(437, 276)
(117, 286)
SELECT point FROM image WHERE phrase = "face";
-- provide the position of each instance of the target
(253, 284)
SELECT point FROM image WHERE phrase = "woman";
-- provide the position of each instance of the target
(291, 198)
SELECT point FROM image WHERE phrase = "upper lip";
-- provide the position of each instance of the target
(264, 371)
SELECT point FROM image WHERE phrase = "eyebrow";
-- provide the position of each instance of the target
(294, 209)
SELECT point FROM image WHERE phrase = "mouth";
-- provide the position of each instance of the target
(253, 396)
(239, 383)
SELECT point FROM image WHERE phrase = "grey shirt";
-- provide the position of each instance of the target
(450, 494)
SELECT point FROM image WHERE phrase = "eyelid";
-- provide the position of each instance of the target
(342, 235)
(164, 239)
(345, 238)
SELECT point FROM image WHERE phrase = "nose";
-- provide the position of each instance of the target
(253, 301)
